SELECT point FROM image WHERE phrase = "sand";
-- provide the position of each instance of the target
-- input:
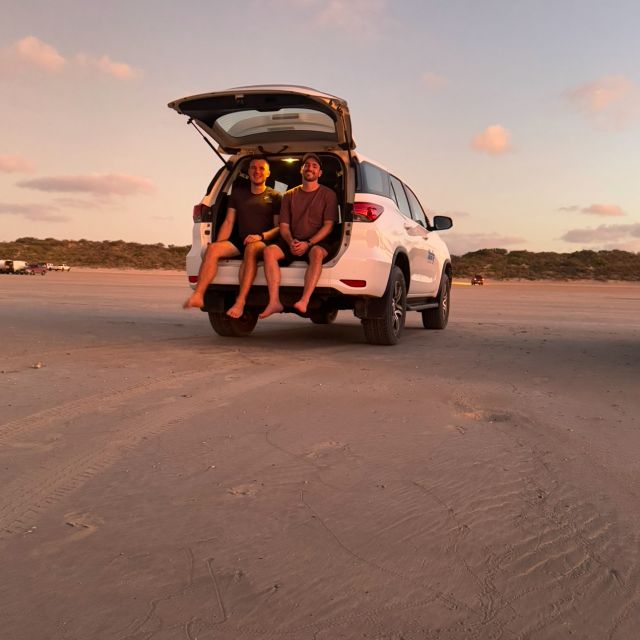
(160, 482)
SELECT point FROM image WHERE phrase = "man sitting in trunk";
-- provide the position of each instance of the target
(256, 210)
(308, 214)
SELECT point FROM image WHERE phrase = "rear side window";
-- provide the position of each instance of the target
(416, 208)
(400, 197)
(374, 180)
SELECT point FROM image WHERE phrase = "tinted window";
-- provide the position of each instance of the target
(374, 180)
(416, 209)
(401, 198)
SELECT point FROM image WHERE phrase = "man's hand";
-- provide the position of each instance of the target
(254, 237)
(299, 247)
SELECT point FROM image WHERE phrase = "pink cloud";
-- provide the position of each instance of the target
(611, 100)
(97, 184)
(432, 80)
(39, 212)
(33, 52)
(494, 140)
(105, 65)
(604, 210)
(604, 234)
(15, 164)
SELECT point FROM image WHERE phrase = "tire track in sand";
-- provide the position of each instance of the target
(23, 499)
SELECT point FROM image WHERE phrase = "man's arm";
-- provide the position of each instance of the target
(224, 233)
(322, 233)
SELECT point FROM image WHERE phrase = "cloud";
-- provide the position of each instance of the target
(494, 140)
(101, 184)
(432, 80)
(364, 17)
(32, 52)
(603, 210)
(605, 234)
(609, 101)
(38, 212)
(15, 164)
(461, 243)
(105, 65)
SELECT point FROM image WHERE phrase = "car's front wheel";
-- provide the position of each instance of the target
(228, 327)
(439, 317)
(387, 329)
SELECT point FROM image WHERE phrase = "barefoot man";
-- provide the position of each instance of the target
(307, 216)
(255, 210)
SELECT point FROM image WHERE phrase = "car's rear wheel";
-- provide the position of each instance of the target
(439, 317)
(387, 329)
(323, 316)
(228, 327)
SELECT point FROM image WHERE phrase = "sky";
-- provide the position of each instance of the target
(518, 118)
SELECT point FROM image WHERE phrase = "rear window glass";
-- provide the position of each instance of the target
(374, 180)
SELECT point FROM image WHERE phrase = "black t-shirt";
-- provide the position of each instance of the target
(254, 211)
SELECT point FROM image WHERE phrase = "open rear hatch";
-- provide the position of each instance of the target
(270, 119)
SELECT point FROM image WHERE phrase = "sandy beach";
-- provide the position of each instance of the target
(159, 482)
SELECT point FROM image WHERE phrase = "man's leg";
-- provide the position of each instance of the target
(311, 277)
(248, 271)
(209, 269)
(272, 255)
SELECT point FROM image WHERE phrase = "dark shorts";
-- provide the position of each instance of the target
(290, 257)
(239, 244)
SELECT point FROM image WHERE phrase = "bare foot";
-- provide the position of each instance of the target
(236, 311)
(195, 300)
(301, 306)
(270, 309)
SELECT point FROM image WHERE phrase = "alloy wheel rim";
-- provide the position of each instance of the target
(397, 308)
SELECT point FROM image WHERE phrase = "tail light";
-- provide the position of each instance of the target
(202, 213)
(193, 279)
(366, 211)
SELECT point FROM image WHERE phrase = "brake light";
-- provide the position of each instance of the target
(366, 211)
(193, 279)
(201, 213)
(355, 283)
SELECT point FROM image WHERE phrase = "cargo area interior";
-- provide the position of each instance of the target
(285, 174)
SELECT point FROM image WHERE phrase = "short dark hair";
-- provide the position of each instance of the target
(259, 158)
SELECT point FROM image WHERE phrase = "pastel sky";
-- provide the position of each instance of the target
(519, 118)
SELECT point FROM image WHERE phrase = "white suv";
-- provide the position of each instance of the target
(387, 257)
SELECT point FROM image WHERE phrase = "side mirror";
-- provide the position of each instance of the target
(441, 223)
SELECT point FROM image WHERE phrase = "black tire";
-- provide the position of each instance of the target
(323, 316)
(387, 330)
(439, 317)
(228, 327)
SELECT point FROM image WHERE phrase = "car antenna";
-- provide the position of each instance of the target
(226, 163)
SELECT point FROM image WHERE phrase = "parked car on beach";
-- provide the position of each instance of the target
(36, 269)
(387, 256)
(477, 279)
(61, 267)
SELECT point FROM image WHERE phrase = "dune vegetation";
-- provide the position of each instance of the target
(491, 263)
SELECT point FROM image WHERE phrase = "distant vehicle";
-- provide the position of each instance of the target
(477, 279)
(61, 267)
(36, 269)
(13, 266)
(49, 266)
